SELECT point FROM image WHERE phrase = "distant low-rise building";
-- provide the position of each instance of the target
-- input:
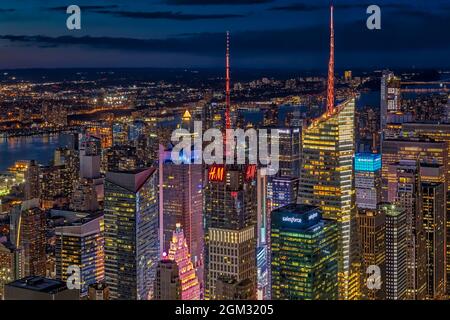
(39, 288)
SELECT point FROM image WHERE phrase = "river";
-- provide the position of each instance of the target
(39, 147)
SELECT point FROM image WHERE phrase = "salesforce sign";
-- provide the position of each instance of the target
(300, 220)
(292, 219)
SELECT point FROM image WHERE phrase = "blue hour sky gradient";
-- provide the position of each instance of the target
(282, 34)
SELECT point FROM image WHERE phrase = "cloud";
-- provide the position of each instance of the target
(216, 2)
(406, 34)
(297, 7)
(124, 44)
(153, 15)
(86, 7)
(350, 37)
(303, 7)
(169, 15)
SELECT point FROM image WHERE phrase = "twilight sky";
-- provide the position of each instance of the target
(286, 34)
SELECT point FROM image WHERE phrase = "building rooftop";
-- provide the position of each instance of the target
(39, 284)
(391, 209)
(297, 208)
(131, 180)
(297, 216)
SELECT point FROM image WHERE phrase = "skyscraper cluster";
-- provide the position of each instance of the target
(129, 223)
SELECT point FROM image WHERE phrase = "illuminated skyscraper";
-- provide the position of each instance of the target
(390, 96)
(58, 179)
(179, 252)
(81, 243)
(181, 202)
(131, 233)
(28, 225)
(371, 223)
(282, 188)
(419, 189)
(439, 132)
(70, 162)
(230, 225)
(326, 178)
(395, 252)
(367, 180)
(90, 150)
(304, 260)
(281, 191)
(404, 192)
(433, 194)
(421, 149)
(90, 161)
(53, 187)
(230, 213)
(290, 152)
(31, 177)
(326, 181)
(263, 286)
(11, 265)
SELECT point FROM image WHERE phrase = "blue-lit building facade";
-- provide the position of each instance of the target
(367, 180)
(304, 255)
(281, 191)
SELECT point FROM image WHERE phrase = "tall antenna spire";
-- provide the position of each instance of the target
(330, 89)
(227, 86)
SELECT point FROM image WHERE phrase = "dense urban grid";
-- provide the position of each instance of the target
(357, 209)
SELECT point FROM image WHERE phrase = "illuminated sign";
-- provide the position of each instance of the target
(313, 216)
(292, 220)
(301, 220)
(250, 172)
(216, 173)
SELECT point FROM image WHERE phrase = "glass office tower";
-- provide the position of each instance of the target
(81, 243)
(367, 180)
(131, 233)
(230, 225)
(396, 244)
(326, 181)
(304, 262)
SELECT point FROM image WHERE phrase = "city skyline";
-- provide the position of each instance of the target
(144, 199)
